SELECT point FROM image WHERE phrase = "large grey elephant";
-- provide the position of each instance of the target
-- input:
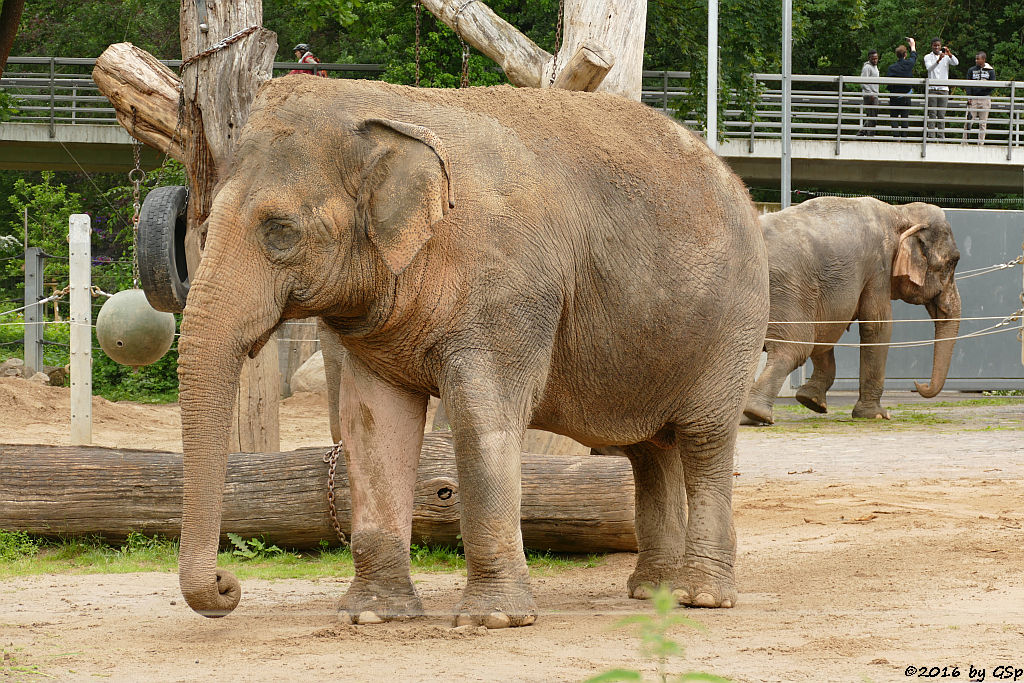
(834, 260)
(574, 262)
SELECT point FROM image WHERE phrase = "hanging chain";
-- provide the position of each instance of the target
(331, 458)
(220, 45)
(464, 82)
(135, 177)
(419, 12)
(558, 43)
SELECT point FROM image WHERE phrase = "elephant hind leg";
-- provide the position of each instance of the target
(684, 527)
(813, 393)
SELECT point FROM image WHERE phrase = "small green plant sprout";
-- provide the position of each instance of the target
(656, 644)
(16, 544)
(253, 549)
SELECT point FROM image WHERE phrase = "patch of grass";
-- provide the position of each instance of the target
(253, 558)
(13, 665)
(901, 419)
(1004, 392)
(967, 403)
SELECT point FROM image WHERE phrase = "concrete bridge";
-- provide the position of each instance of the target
(62, 122)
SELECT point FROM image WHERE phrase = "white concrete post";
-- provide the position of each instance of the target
(712, 123)
(80, 259)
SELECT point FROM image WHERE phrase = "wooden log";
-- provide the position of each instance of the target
(570, 503)
(587, 68)
(133, 79)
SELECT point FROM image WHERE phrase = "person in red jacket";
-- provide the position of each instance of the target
(304, 55)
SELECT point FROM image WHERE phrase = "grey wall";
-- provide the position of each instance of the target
(991, 362)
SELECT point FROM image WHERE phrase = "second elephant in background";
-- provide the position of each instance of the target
(833, 261)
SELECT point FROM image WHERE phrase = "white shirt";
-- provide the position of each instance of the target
(869, 71)
(937, 66)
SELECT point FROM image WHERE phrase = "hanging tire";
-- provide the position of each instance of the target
(163, 271)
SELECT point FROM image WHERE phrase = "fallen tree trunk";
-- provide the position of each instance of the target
(570, 503)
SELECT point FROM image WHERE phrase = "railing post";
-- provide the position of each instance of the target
(79, 261)
(74, 101)
(1009, 125)
(839, 116)
(664, 91)
(33, 311)
(924, 121)
(53, 77)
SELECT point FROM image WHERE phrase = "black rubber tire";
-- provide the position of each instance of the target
(163, 271)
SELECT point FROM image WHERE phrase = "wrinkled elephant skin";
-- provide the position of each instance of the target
(834, 261)
(526, 256)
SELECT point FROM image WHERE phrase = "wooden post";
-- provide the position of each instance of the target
(218, 90)
(80, 264)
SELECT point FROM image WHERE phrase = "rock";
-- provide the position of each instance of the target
(40, 378)
(12, 367)
(58, 375)
(310, 375)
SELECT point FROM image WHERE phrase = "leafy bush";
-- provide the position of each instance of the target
(254, 548)
(15, 544)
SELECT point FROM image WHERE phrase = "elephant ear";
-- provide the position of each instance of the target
(911, 260)
(405, 189)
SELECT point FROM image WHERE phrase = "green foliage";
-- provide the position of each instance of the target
(656, 643)
(17, 544)
(253, 549)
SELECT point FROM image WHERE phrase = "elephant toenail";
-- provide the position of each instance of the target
(705, 600)
(529, 620)
(369, 617)
(643, 592)
(727, 603)
(497, 620)
(345, 618)
(682, 597)
(464, 620)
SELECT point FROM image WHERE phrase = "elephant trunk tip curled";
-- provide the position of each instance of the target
(217, 600)
(927, 391)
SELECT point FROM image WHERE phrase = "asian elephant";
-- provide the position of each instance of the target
(575, 262)
(835, 260)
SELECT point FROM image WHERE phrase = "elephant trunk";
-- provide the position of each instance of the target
(220, 325)
(946, 305)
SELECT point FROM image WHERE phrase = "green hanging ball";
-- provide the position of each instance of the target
(131, 331)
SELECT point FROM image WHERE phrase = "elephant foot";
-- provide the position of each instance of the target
(758, 413)
(694, 585)
(496, 609)
(368, 603)
(813, 398)
(870, 411)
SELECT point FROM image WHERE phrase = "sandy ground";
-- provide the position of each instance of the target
(864, 549)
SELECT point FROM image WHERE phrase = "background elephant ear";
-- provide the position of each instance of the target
(911, 260)
(405, 189)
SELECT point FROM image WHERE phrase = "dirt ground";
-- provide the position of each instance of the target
(864, 549)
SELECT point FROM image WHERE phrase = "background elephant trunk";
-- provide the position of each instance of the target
(946, 305)
(218, 329)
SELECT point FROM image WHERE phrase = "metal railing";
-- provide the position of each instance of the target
(60, 90)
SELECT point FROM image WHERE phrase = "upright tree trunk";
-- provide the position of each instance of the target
(219, 90)
(10, 17)
(599, 36)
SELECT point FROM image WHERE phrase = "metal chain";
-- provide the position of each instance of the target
(331, 458)
(220, 45)
(135, 177)
(419, 12)
(558, 43)
(464, 82)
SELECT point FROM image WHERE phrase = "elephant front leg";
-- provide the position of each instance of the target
(488, 431)
(782, 360)
(814, 391)
(872, 366)
(382, 429)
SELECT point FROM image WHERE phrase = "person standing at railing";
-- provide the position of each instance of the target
(304, 55)
(899, 105)
(979, 100)
(870, 93)
(937, 63)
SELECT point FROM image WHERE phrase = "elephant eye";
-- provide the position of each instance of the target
(280, 237)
